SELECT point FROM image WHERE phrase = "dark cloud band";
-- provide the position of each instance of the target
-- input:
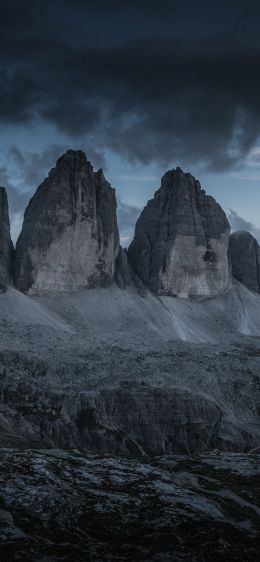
(151, 98)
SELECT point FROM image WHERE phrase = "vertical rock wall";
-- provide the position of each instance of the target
(69, 238)
(6, 246)
(181, 240)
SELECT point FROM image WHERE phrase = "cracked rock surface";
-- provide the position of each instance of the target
(57, 505)
(69, 238)
(181, 240)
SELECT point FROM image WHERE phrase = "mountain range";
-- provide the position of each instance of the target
(70, 239)
(141, 349)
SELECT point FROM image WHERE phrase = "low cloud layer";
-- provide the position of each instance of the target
(238, 223)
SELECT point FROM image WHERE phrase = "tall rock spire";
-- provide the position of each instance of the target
(6, 246)
(181, 240)
(244, 253)
(69, 238)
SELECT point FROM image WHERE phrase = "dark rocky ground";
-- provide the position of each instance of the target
(65, 506)
(135, 502)
(121, 442)
(179, 399)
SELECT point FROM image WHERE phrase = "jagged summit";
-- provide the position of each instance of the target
(244, 253)
(6, 246)
(181, 240)
(69, 238)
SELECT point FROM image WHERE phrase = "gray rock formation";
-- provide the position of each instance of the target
(6, 246)
(63, 505)
(125, 275)
(69, 238)
(110, 399)
(181, 240)
(106, 370)
(244, 253)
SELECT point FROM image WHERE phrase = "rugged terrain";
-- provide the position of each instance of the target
(129, 427)
(129, 419)
(58, 505)
(110, 370)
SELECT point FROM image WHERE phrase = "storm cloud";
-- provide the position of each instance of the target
(148, 92)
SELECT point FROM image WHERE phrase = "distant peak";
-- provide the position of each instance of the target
(3, 195)
(241, 234)
(178, 176)
(174, 172)
(71, 158)
(72, 155)
(75, 154)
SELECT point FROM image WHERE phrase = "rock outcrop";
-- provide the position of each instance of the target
(69, 238)
(181, 240)
(6, 246)
(64, 505)
(244, 253)
(125, 275)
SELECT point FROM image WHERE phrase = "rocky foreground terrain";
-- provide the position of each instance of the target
(119, 443)
(110, 370)
(129, 417)
(58, 505)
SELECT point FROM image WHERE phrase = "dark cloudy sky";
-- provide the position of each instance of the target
(141, 86)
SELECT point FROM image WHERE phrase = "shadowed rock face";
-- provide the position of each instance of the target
(244, 253)
(181, 240)
(6, 246)
(69, 238)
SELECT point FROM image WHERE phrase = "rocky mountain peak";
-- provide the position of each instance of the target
(6, 246)
(244, 253)
(73, 158)
(69, 238)
(181, 240)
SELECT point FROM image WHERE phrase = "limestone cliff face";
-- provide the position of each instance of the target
(6, 246)
(69, 238)
(244, 252)
(181, 240)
